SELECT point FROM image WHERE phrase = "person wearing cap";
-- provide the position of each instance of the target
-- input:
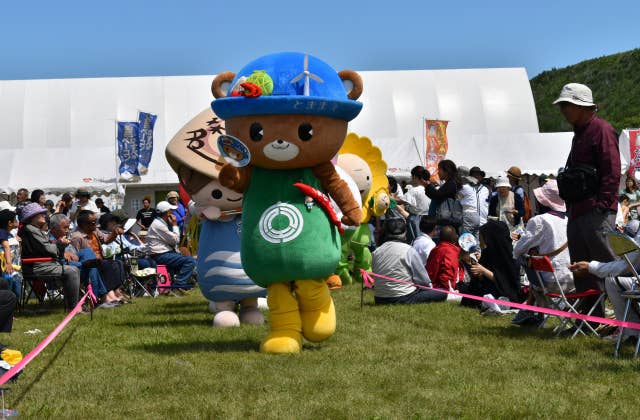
(515, 175)
(36, 244)
(394, 258)
(474, 198)
(546, 235)
(163, 237)
(594, 145)
(82, 203)
(180, 211)
(506, 205)
(616, 281)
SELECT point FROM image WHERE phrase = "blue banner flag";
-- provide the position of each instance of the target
(128, 150)
(146, 122)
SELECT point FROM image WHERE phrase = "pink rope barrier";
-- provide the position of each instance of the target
(369, 282)
(29, 357)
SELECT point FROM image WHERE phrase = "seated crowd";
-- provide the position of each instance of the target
(79, 242)
(507, 230)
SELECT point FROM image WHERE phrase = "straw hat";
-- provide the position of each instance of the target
(514, 172)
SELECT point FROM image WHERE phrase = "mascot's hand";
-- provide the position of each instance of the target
(229, 176)
(235, 179)
(211, 213)
(352, 217)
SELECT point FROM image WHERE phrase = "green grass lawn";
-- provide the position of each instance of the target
(160, 358)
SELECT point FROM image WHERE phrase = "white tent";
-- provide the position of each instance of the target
(60, 134)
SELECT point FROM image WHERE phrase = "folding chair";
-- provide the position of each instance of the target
(622, 246)
(38, 284)
(564, 301)
(135, 285)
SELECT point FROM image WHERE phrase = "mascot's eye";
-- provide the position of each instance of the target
(367, 177)
(256, 132)
(217, 194)
(305, 131)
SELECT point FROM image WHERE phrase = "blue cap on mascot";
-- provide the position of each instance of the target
(327, 95)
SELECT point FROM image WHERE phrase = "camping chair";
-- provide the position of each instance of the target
(39, 284)
(564, 301)
(138, 285)
(622, 246)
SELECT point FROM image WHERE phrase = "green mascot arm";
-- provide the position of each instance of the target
(236, 179)
(340, 192)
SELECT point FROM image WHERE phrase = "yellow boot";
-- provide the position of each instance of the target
(285, 323)
(316, 309)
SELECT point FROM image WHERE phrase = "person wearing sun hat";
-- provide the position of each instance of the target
(36, 244)
(506, 205)
(545, 234)
(594, 150)
(548, 233)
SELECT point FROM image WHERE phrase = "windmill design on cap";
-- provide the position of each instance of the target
(307, 75)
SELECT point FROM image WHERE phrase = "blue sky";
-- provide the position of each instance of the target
(44, 39)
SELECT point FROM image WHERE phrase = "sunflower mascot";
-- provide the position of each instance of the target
(286, 117)
(362, 161)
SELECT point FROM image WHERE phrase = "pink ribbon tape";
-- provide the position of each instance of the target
(369, 281)
(29, 357)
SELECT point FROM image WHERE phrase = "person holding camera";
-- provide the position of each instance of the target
(589, 183)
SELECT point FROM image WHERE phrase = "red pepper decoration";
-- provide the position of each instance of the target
(323, 200)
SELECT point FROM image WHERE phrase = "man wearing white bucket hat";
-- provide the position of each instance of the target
(589, 182)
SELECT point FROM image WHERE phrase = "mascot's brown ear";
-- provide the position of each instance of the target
(221, 84)
(352, 83)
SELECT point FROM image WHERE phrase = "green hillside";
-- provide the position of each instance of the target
(614, 80)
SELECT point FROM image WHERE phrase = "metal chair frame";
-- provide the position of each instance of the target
(622, 246)
(568, 300)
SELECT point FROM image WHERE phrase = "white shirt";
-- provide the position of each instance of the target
(423, 245)
(475, 199)
(160, 239)
(89, 206)
(416, 201)
(548, 233)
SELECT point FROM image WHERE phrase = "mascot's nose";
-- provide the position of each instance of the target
(280, 141)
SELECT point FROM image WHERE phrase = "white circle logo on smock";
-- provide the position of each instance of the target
(281, 223)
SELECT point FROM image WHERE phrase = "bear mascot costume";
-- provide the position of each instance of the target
(286, 117)
(193, 155)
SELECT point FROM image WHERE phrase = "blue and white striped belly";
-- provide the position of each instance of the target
(220, 273)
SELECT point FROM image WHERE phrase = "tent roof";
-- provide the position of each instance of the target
(67, 126)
